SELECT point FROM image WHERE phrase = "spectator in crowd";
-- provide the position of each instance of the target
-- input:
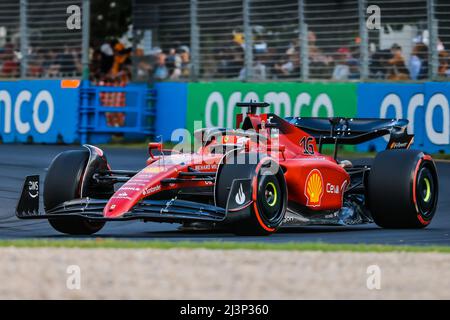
(289, 66)
(178, 63)
(121, 57)
(353, 59)
(418, 62)
(35, 63)
(259, 42)
(443, 69)
(66, 62)
(379, 64)
(160, 69)
(259, 72)
(320, 65)
(269, 58)
(108, 60)
(107, 56)
(397, 68)
(144, 69)
(238, 38)
(173, 64)
(10, 67)
(346, 65)
(354, 65)
(341, 68)
(143, 64)
(236, 62)
(184, 53)
(50, 65)
(221, 60)
(228, 60)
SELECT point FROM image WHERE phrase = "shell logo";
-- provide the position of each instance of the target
(314, 188)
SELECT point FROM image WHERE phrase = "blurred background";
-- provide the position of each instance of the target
(251, 40)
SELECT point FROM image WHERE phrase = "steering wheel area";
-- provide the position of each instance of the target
(219, 135)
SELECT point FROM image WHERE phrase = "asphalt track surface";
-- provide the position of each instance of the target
(17, 161)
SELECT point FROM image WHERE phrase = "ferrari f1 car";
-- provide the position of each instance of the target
(267, 173)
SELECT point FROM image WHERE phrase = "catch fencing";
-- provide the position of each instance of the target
(268, 40)
(41, 38)
(249, 40)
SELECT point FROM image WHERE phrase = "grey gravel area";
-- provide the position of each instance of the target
(219, 274)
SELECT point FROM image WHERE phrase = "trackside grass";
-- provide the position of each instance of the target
(215, 245)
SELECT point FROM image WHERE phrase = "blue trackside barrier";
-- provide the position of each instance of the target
(115, 110)
(426, 106)
(67, 111)
(38, 111)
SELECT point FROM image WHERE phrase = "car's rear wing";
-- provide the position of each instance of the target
(339, 130)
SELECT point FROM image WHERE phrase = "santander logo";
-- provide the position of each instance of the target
(151, 190)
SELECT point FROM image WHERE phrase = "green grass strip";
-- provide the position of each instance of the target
(215, 245)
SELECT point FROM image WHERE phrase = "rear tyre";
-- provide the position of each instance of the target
(63, 183)
(269, 194)
(402, 189)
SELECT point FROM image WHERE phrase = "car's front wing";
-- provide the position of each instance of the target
(155, 210)
(171, 210)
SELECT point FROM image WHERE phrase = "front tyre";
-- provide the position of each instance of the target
(403, 189)
(267, 210)
(63, 183)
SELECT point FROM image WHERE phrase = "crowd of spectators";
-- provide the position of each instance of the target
(284, 62)
(42, 62)
(277, 61)
(158, 65)
(9, 62)
(111, 62)
(391, 64)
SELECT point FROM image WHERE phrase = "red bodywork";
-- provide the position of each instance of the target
(314, 180)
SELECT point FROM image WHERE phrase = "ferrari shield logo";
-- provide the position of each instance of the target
(314, 188)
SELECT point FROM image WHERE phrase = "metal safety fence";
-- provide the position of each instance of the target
(250, 40)
(266, 40)
(40, 39)
(9, 39)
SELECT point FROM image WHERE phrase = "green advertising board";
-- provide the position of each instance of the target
(212, 104)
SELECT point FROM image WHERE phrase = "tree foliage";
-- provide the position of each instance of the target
(109, 19)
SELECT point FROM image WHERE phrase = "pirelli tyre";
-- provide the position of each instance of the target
(63, 183)
(266, 208)
(402, 189)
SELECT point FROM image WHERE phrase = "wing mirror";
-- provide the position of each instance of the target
(154, 146)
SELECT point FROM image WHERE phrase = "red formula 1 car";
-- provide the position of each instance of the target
(267, 173)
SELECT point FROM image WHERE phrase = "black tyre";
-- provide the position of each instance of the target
(63, 183)
(402, 189)
(269, 193)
